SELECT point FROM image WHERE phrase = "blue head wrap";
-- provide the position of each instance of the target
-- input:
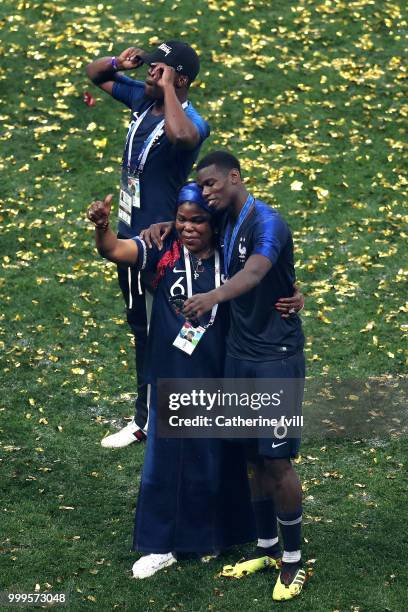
(191, 192)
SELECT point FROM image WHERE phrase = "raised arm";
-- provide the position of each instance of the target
(180, 130)
(108, 245)
(102, 71)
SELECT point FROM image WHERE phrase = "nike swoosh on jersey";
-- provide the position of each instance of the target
(178, 271)
(276, 445)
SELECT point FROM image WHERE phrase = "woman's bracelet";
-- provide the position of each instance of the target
(103, 227)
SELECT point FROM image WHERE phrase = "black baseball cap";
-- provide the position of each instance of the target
(177, 54)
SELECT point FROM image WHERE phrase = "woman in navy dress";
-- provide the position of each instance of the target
(194, 494)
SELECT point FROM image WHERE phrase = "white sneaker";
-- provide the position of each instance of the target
(150, 564)
(129, 434)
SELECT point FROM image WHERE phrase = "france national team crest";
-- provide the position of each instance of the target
(242, 249)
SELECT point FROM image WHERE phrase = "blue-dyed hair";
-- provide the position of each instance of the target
(191, 192)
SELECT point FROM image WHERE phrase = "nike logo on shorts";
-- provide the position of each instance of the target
(276, 445)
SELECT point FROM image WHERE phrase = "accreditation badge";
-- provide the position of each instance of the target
(125, 207)
(134, 189)
(188, 338)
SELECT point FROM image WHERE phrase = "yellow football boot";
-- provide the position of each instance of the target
(289, 584)
(245, 567)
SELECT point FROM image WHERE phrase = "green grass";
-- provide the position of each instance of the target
(307, 92)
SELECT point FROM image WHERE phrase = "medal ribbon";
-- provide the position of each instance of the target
(229, 240)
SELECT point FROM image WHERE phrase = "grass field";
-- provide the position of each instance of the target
(310, 96)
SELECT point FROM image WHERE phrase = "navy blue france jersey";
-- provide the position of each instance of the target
(167, 166)
(163, 360)
(257, 331)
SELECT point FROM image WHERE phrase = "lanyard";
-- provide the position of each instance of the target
(217, 280)
(229, 240)
(148, 143)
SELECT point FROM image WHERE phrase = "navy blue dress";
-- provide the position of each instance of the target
(194, 493)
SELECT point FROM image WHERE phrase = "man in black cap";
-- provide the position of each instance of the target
(163, 141)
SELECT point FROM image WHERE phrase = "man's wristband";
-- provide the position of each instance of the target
(114, 64)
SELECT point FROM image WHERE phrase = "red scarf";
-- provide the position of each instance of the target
(167, 261)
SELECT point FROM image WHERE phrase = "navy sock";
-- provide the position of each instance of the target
(265, 517)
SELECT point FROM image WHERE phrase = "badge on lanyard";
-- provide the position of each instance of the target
(129, 198)
(130, 193)
(134, 187)
(188, 338)
(191, 333)
(125, 207)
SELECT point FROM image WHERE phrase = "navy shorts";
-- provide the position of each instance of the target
(292, 367)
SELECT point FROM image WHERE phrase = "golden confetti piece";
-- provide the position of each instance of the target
(303, 87)
(321, 193)
(101, 143)
(322, 317)
(66, 508)
(296, 186)
(78, 371)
